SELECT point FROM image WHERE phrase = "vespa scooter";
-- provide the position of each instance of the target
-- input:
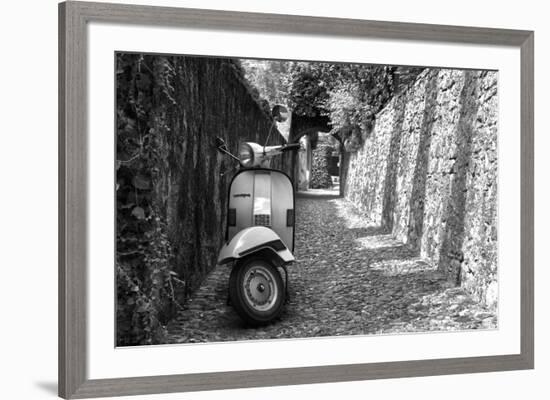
(260, 230)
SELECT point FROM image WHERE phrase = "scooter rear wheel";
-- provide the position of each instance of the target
(256, 291)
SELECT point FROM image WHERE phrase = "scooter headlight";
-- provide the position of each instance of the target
(246, 155)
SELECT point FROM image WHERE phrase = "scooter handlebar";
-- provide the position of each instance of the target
(290, 146)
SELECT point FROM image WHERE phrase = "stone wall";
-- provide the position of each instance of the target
(427, 173)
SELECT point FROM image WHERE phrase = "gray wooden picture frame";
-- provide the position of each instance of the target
(73, 165)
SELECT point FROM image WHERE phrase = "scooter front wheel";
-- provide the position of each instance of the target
(256, 290)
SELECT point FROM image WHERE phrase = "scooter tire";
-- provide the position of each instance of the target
(255, 307)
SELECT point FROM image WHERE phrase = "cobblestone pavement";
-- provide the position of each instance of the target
(350, 279)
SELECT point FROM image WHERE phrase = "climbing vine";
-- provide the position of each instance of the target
(145, 282)
(349, 94)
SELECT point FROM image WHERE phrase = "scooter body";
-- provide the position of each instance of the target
(259, 242)
(256, 239)
(260, 214)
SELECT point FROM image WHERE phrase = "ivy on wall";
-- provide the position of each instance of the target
(320, 175)
(145, 281)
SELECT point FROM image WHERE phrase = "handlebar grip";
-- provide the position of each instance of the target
(291, 146)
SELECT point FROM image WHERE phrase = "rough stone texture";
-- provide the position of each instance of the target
(428, 174)
(366, 169)
(479, 268)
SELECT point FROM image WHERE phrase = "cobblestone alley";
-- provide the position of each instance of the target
(349, 279)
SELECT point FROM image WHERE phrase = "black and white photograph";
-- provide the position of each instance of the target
(261, 199)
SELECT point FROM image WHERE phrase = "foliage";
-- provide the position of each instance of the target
(350, 94)
(269, 83)
(254, 88)
(145, 283)
(309, 86)
(320, 176)
(269, 79)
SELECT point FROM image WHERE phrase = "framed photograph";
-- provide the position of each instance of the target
(253, 200)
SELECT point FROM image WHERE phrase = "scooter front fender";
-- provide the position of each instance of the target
(252, 240)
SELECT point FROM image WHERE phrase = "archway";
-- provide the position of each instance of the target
(305, 129)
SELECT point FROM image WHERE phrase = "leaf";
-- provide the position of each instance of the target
(138, 212)
(143, 308)
(141, 182)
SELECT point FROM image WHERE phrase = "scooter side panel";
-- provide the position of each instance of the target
(241, 198)
(282, 200)
(251, 240)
